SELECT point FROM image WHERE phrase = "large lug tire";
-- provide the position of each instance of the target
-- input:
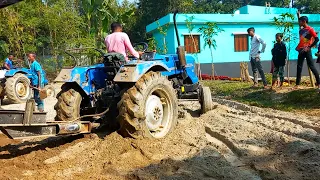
(149, 109)
(17, 89)
(51, 92)
(205, 99)
(68, 105)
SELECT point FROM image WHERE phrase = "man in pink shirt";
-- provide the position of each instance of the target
(119, 42)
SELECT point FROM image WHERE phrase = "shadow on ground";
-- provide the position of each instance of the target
(30, 146)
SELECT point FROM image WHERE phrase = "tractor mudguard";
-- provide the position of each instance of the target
(132, 72)
(26, 71)
(12, 72)
(88, 78)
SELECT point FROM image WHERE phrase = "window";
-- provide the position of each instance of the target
(192, 43)
(241, 42)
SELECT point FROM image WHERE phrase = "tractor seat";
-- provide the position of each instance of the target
(112, 63)
(111, 57)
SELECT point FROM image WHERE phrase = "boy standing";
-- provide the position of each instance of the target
(279, 56)
(37, 80)
(255, 56)
(308, 39)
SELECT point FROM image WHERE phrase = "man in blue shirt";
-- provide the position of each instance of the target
(37, 80)
(8, 63)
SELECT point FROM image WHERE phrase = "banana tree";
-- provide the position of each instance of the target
(208, 32)
(99, 15)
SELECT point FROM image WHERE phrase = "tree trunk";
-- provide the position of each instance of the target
(245, 76)
(212, 65)
(198, 67)
(242, 75)
(288, 71)
(311, 78)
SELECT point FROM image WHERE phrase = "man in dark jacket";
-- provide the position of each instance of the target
(279, 56)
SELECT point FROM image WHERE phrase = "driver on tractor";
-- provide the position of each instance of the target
(119, 42)
(8, 63)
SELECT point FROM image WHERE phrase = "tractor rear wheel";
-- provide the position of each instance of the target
(149, 109)
(205, 99)
(68, 105)
(17, 88)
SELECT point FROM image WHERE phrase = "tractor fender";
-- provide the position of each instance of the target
(75, 86)
(133, 72)
(88, 79)
(12, 72)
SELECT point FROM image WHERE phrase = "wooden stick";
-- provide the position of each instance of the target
(311, 78)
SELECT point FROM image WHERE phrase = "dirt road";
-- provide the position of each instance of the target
(230, 142)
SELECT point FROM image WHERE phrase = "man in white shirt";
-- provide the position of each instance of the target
(255, 56)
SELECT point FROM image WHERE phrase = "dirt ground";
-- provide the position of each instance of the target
(234, 141)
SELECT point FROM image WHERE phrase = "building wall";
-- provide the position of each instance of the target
(225, 52)
(233, 69)
(168, 40)
(224, 56)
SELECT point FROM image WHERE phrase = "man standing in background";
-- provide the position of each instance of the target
(255, 57)
(37, 80)
(308, 39)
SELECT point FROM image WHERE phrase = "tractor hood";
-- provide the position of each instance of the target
(5, 3)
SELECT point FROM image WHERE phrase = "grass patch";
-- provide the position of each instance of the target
(305, 100)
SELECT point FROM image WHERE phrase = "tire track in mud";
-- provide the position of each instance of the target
(286, 127)
(230, 152)
(275, 150)
(305, 122)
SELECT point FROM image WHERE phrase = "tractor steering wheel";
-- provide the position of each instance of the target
(145, 46)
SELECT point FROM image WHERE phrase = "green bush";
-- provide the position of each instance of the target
(268, 78)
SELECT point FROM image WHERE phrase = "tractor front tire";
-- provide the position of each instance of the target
(68, 105)
(17, 89)
(205, 99)
(149, 109)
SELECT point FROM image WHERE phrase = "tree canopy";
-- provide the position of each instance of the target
(50, 26)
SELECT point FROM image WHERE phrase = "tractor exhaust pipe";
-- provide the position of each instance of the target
(180, 49)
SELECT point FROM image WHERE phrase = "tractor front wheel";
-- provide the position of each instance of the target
(68, 105)
(149, 109)
(205, 99)
(17, 89)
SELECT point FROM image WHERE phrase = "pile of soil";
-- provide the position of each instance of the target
(227, 143)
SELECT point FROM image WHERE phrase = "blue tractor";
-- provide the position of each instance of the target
(15, 84)
(142, 95)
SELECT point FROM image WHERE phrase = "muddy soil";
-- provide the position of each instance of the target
(233, 141)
